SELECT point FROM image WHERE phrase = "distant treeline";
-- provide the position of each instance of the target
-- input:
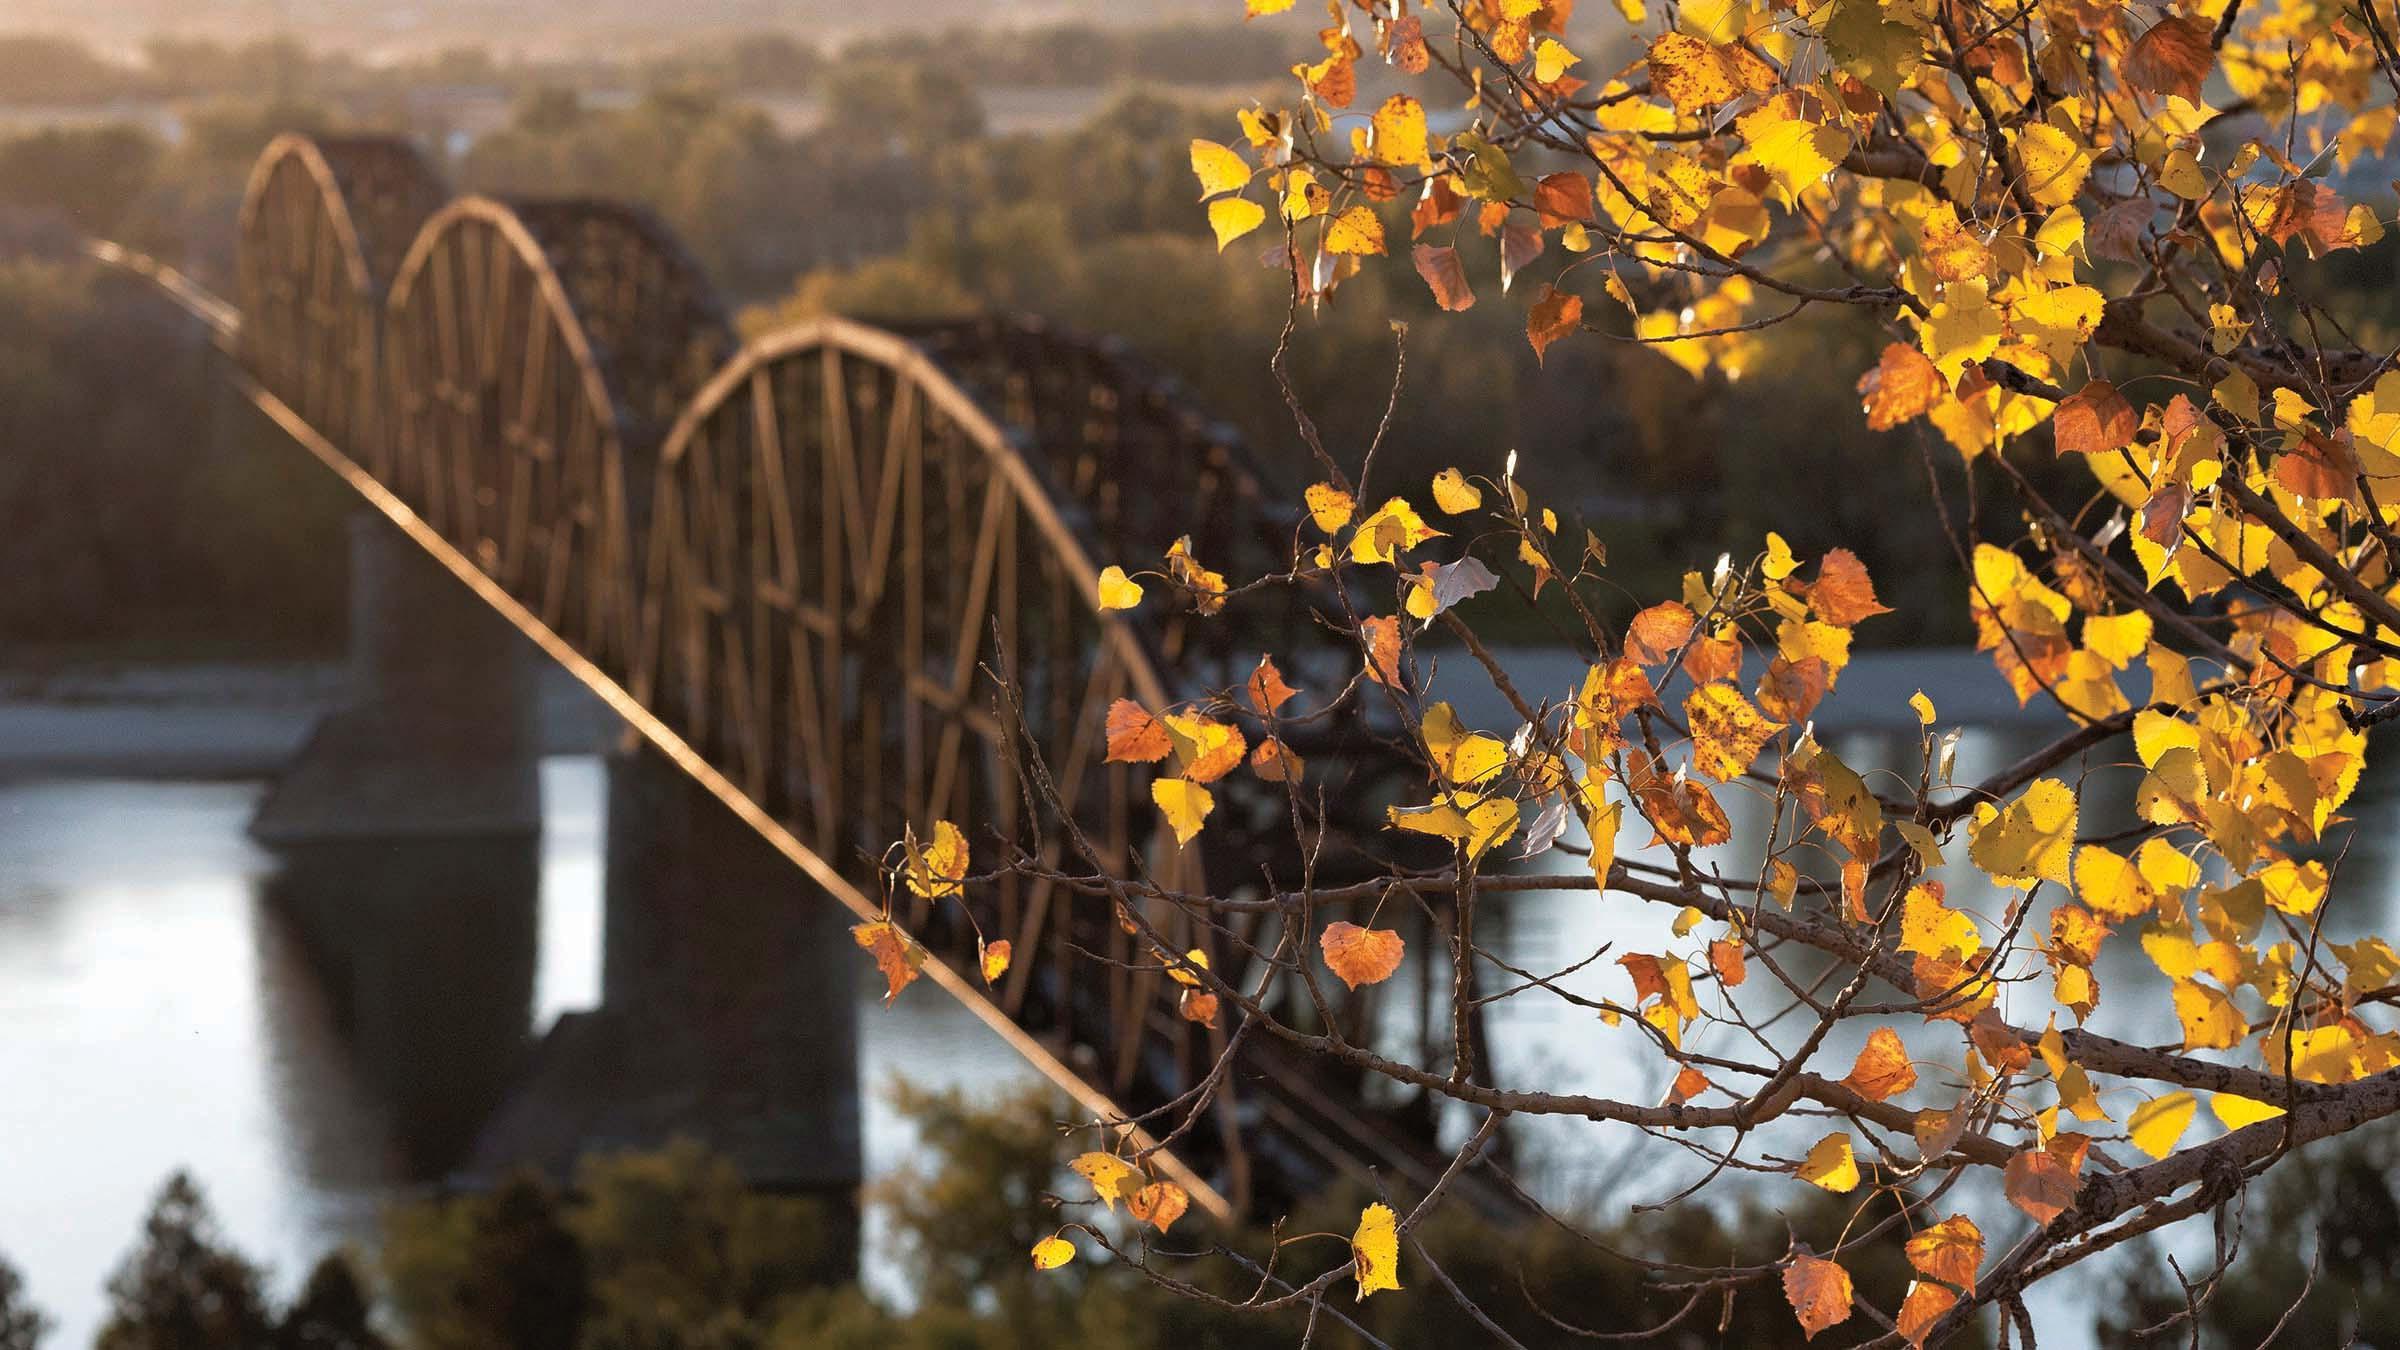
(49, 69)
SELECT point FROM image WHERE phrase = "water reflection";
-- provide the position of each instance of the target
(173, 1001)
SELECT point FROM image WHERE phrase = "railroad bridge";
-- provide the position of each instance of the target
(790, 567)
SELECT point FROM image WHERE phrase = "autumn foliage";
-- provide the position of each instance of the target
(2093, 238)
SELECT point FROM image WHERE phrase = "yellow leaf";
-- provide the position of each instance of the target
(1922, 706)
(1399, 139)
(1329, 506)
(1117, 590)
(2156, 1124)
(1930, 928)
(936, 870)
(1219, 169)
(2054, 162)
(1054, 1251)
(1253, 9)
(1454, 494)
(1185, 803)
(1779, 562)
(2032, 839)
(1727, 731)
(1551, 59)
(994, 959)
(1831, 1164)
(1394, 529)
(1795, 153)
(1353, 231)
(1375, 1250)
(1233, 217)
(1112, 1177)
(2237, 1112)
(1361, 955)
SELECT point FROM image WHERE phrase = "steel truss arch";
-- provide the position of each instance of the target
(324, 223)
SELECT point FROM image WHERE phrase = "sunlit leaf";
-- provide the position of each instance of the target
(1818, 1290)
(1830, 1164)
(1375, 1250)
(1361, 955)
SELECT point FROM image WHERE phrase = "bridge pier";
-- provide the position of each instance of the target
(437, 740)
(728, 1012)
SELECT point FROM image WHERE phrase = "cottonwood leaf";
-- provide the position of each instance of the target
(1361, 955)
(1229, 218)
(1135, 736)
(1355, 231)
(1951, 1250)
(1445, 275)
(1266, 689)
(1818, 1290)
(993, 958)
(1555, 314)
(896, 954)
(1118, 591)
(936, 870)
(1185, 804)
(1461, 580)
(1219, 169)
(1882, 1069)
(1454, 494)
(1831, 1164)
(1375, 1250)
(1921, 1309)
(1159, 1204)
(2158, 1123)
(1054, 1251)
(1112, 1177)
(2094, 420)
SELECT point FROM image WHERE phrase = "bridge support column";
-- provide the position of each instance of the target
(437, 739)
(728, 1013)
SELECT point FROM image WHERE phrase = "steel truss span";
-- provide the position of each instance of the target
(798, 566)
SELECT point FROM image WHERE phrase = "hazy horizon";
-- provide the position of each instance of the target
(549, 27)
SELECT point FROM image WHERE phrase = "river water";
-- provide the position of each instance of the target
(163, 1012)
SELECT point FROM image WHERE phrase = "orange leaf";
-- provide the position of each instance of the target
(2094, 420)
(1444, 275)
(1725, 958)
(1819, 1291)
(1790, 690)
(1563, 197)
(1924, 1306)
(1134, 736)
(1276, 762)
(2042, 1181)
(1406, 43)
(1198, 1006)
(1844, 594)
(1950, 1250)
(1882, 1069)
(1382, 638)
(1361, 955)
(1658, 632)
(1268, 693)
(1555, 314)
(896, 955)
(994, 960)
(1159, 1204)
(1904, 384)
(1689, 1083)
(2174, 57)
(1680, 811)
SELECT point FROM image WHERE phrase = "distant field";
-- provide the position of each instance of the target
(555, 27)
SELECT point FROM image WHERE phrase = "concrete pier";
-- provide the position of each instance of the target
(727, 1012)
(436, 738)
